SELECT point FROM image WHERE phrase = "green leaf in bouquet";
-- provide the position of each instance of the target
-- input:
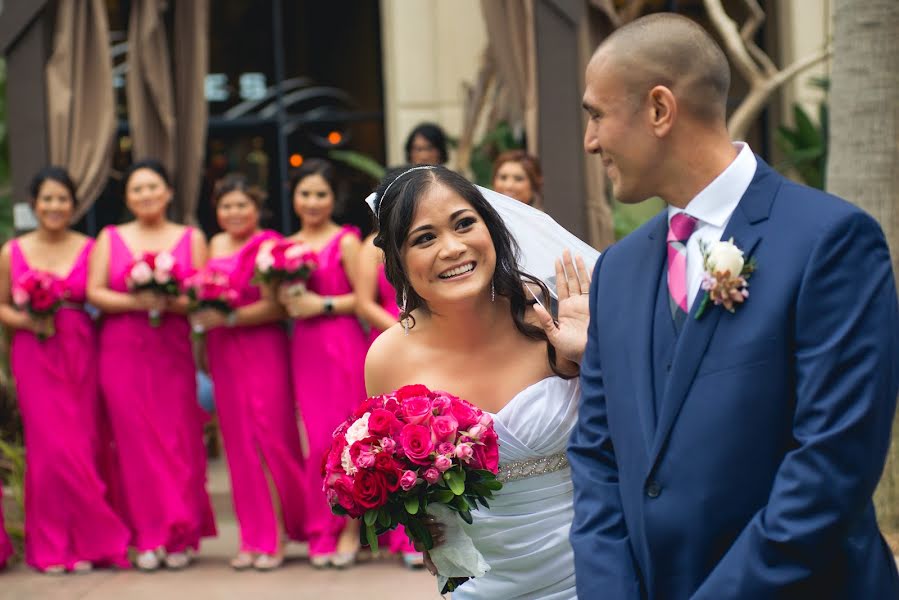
(443, 496)
(384, 517)
(483, 502)
(466, 516)
(420, 533)
(370, 517)
(372, 536)
(412, 505)
(472, 503)
(493, 485)
(455, 481)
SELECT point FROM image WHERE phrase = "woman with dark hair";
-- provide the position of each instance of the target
(426, 145)
(148, 377)
(468, 328)
(327, 349)
(68, 523)
(248, 359)
(517, 174)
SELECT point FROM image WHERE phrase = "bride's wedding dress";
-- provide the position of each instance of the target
(524, 534)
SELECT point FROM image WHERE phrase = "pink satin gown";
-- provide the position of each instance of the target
(250, 369)
(148, 383)
(67, 516)
(6, 549)
(327, 358)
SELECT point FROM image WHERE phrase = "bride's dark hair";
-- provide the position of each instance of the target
(395, 210)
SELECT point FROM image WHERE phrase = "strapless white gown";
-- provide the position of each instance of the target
(524, 534)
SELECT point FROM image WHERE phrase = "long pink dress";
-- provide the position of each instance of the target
(148, 381)
(396, 540)
(327, 357)
(5, 544)
(253, 398)
(67, 517)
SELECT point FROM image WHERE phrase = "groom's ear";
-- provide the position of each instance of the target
(662, 110)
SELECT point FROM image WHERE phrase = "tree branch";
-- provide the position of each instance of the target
(607, 7)
(733, 42)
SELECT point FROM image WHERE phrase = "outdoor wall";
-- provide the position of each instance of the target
(805, 27)
(429, 50)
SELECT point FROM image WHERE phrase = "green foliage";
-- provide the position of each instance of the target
(496, 141)
(359, 161)
(805, 144)
(12, 461)
(629, 217)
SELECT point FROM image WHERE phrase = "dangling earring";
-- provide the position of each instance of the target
(405, 316)
(492, 292)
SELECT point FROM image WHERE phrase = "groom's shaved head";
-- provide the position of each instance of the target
(670, 50)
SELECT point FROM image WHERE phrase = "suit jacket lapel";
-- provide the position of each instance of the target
(649, 260)
(695, 336)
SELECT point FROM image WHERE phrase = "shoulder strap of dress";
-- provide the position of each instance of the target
(16, 257)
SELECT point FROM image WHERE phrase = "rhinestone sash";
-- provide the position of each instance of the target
(531, 467)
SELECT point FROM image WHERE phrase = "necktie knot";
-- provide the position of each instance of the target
(681, 227)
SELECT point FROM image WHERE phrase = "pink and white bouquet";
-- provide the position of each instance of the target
(155, 272)
(210, 289)
(41, 295)
(410, 451)
(285, 263)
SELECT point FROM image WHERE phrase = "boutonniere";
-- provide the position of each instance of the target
(725, 277)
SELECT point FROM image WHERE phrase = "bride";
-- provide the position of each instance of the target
(467, 327)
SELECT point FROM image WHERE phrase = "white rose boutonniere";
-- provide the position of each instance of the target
(725, 279)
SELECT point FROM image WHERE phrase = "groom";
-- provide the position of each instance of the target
(726, 451)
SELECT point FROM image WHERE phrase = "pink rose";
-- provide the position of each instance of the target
(465, 413)
(441, 405)
(19, 296)
(475, 431)
(445, 428)
(464, 452)
(416, 410)
(442, 463)
(365, 460)
(432, 475)
(343, 487)
(486, 453)
(141, 273)
(417, 443)
(388, 445)
(407, 481)
(165, 262)
(486, 420)
(383, 422)
(446, 448)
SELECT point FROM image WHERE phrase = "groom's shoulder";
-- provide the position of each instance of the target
(801, 208)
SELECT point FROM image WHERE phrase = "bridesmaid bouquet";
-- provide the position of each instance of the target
(156, 272)
(285, 263)
(210, 289)
(40, 294)
(412, 451)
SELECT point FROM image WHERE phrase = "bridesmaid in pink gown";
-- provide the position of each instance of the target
(376, 305)
(148, 379)
(327, 351)
(248, 356)
(5, 545)
(68, 523)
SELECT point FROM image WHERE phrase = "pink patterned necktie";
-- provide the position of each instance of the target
(679, 231)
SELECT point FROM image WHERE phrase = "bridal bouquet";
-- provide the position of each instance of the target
(409, 452)
(156, 272)
(40, 294)
(285, 263)
(209, 289)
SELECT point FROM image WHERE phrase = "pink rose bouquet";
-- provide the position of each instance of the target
(156, 272)
(285, 263)
(210, 289)
(40, 294)
(405, 451)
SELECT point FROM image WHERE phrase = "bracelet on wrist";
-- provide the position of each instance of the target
(231, 319)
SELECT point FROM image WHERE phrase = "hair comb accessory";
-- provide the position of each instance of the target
(373, 197)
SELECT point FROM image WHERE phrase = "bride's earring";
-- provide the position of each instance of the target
(492, 292)
(405, 316)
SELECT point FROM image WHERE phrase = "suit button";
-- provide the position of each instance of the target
(653, 489)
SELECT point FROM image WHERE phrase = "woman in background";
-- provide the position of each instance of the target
(69, 526)
(327, 349)
(248, 356)
(517, 174)
(426, 145)
(148, 377)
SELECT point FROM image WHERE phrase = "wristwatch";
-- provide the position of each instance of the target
(231, 319)
(328, 306)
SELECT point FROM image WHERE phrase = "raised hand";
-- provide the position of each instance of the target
(568, 334)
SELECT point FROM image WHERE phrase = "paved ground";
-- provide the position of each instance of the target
(211, 578)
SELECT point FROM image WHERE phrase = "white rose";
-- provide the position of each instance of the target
(165, 262)
(725, 256)
(358, 430)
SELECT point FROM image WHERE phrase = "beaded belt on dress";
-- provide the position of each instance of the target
(531, 467)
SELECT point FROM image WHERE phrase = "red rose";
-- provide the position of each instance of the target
(343, 486)
(370, 489)
(411, 391)
(383, 423)
(466, 414)
(385, 462)
(332, 461)
(416, 411)
(417, 443)
(486, 453)
(393, 405)
(368, 405)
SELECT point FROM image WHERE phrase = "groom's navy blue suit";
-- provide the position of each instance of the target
(737, 459)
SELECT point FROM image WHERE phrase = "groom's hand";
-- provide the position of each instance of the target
(568, 335)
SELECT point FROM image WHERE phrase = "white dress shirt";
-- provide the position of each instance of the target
(713, 207)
